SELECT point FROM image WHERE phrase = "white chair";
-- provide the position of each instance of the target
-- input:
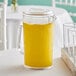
(65, 2)
(68, 36)
(3, 24)
(60, 21)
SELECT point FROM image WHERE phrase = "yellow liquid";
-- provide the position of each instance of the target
(38, 44)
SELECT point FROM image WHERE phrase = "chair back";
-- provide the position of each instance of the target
(3, 6)
(70, 3)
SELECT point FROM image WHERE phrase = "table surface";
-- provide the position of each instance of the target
(11, 64)
(11, 61)
(18, 14)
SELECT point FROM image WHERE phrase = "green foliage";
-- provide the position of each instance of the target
(14, 2)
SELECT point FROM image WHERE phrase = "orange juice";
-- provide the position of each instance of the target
(38, 44)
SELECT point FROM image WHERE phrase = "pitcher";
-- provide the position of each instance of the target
(38, 38)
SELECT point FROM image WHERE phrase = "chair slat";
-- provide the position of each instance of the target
(66, 1)
(72, 14)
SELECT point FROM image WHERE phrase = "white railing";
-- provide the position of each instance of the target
(65, 2)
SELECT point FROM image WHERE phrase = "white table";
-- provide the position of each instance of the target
(11, 61)
(11, 64)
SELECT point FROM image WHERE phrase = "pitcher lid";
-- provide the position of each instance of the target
(38, 12)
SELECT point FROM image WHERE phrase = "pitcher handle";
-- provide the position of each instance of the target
(1, 35)
(19, 34)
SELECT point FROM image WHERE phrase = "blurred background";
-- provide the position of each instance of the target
(46, 3)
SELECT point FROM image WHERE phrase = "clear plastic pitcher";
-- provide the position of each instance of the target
(38, 37)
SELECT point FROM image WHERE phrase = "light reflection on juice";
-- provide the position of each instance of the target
(38, 44)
